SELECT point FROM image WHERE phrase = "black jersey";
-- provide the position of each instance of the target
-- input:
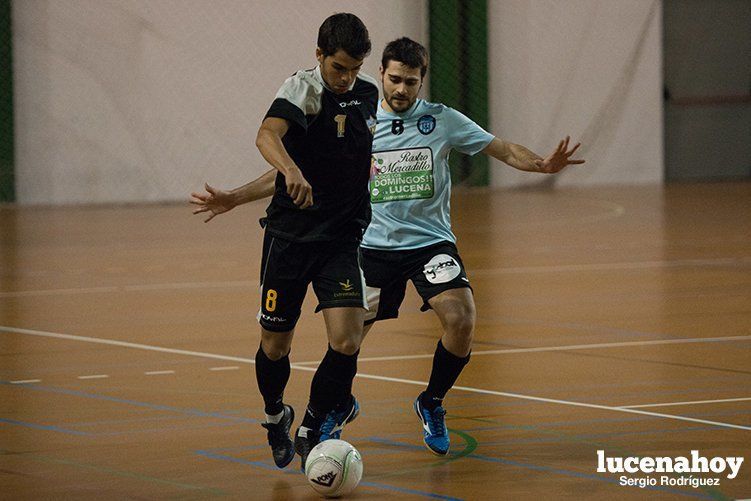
(330, 139)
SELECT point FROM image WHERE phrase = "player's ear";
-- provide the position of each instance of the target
(319, 55)
(380, 70)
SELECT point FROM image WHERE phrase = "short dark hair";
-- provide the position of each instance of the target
(344, 31)
(408, 52)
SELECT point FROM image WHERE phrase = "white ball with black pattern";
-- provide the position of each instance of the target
(333, 468)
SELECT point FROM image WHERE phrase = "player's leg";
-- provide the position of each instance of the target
(385, 286)
(443, 285)
(281, 299)
(272, 374)
(344, 327)
(340, 288)
(331, 402)
(456, 310)
(273, 370)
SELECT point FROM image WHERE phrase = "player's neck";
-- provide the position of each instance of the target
(388, 109)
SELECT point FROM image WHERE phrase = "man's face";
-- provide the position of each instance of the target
(401, 84)
(339, 70)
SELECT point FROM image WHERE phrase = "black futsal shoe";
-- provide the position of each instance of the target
(281, 445)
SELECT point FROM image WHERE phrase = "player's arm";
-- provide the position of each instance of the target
(261, 187)
(519, 157)
(220, 201)
(269, 143)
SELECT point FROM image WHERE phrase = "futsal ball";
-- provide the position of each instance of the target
(333, 468)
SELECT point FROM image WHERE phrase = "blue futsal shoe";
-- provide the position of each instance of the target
(332, 427)
(335, 421)
(434, 432)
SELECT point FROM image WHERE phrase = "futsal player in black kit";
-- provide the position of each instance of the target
(318, 134)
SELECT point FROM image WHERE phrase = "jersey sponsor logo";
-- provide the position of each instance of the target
(426, 124)
(354, 102)
(348, 290)
(273, 320)
(441, 269)
(372, 122)
(401, 175)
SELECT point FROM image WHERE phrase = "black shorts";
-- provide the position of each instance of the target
(287, 268)
(432, 269)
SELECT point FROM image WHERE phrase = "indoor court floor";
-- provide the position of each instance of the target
(614, 319)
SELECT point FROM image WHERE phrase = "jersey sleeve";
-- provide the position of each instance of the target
(296, 98)
(465, 135)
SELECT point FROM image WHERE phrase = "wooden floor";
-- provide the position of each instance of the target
(614, 319)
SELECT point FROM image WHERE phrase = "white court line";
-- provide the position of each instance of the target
(124, 344)
(57, 292)
(26, 381)
(94, 376)
(695, 402)
(228, 368)
(559, 348)
(374, 377)
(743, 261)
(190, 285)
(132, 288)
(158, 373)
(561, 402)
(638, 265)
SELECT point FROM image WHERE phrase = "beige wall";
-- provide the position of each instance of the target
(589, 68)
(144, 100)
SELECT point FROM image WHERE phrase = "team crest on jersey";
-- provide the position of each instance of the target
(426, 124)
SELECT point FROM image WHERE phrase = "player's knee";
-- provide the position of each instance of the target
(276, 346)
(460, 322)
(275, 352)
(347, 346)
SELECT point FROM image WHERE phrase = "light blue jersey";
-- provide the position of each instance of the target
(410, 180)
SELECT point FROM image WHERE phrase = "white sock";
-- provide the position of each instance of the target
(275, 418)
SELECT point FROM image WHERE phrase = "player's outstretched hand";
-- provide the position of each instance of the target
(299, 189)
(214, 201)
(559, 159)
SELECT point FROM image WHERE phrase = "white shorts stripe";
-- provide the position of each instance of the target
(372, 298)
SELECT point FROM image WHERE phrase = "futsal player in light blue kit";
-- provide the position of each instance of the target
(410, 237)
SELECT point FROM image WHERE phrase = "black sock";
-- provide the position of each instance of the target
(331, 386)
(272, 377)
(446, 370)
(312, 418)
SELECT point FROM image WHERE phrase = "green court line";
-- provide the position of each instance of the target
(7, 152)
(565, 437)
(119, 473)
(470, 444)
